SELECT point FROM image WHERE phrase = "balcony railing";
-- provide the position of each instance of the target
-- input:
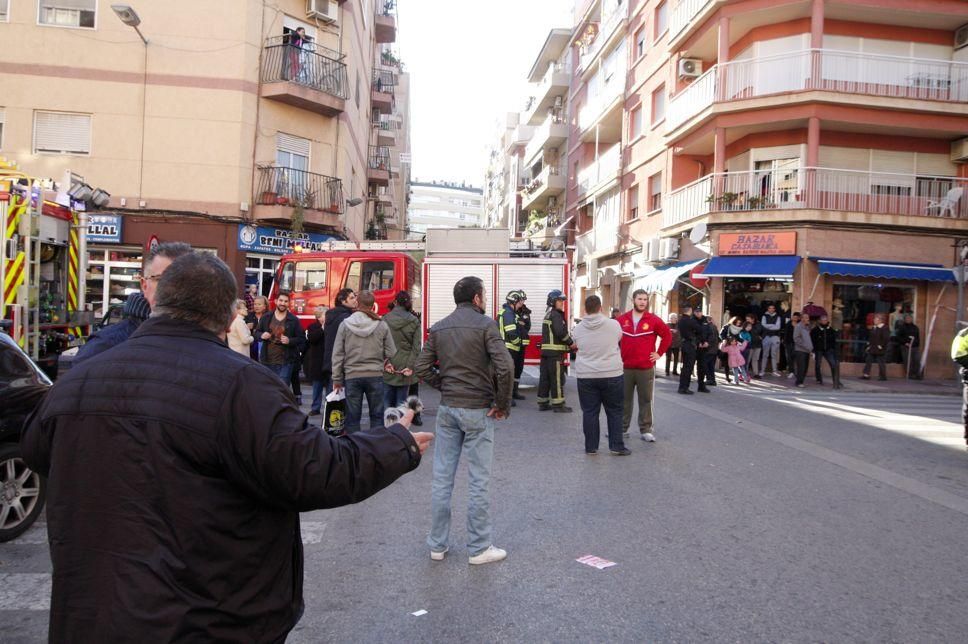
(824, 70)
(384, 80)
(287, 63)
(291, 187)
(379, 157)
(606, 167)
(858, 191)
(606, 28)
(683, 13)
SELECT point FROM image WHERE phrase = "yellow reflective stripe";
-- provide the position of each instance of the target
(554, 347)
(511, 347)
(510, 327)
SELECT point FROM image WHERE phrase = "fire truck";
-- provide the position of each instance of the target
(428, 271)
(42, 265)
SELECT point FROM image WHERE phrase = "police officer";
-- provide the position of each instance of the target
(555, 342)
(514, 328)
(959, 353)
(691, 332)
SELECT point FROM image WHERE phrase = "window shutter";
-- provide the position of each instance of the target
(929, 165)
(292, 144)
(83, 5)
(62, 133)
(899, 164)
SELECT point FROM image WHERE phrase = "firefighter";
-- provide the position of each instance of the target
(555, 343)
(959, 353)
(515, 335)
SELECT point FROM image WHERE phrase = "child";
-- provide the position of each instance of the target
(733, 349)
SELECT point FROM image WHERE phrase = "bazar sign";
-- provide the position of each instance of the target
(278, 241)
(758, 243)
(104, 229)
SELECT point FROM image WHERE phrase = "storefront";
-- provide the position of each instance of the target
(264, 245)
(113, 268)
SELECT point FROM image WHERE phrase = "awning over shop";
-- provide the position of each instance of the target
(664, 279)
(885, 270)
(763, 266)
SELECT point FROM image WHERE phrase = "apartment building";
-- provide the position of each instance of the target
(440, 204)
(501, 199)
(389, 197)
(216, 123)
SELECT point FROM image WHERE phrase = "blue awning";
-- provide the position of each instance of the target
(885, 270)
(664, 279)
(763, 266)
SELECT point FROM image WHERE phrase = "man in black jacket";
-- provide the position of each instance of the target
(691, 332)
(173, 503)
(282, 339)
(909, 337)
(345, 307)
(824, 341)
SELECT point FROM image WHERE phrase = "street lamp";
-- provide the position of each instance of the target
(129, 16)
(355, 201)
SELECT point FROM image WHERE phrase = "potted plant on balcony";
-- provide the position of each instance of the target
(725, 201)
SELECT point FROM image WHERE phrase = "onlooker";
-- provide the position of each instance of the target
(598, 369)
(201, 540)
(789, 343)
(405, 331)
(615, 313)
(555, 343)
(772, 322)
(691, 332)
(361, 353)
(645, 338)
(239, 336)
(909, 338)
(959, 353)
(733, 347)
(755, 348)
(249, 297)
(313, 360)
(467, 361)
(282, 337)
(824, 341)
(672, 357)
(709, 347)
(877, 341)
(260, 304)
(733, 328)
(802, 347)
(346, 302)
(137, 307)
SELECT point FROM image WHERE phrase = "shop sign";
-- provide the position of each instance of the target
(781, 243)
(104, 229)
(278, 241)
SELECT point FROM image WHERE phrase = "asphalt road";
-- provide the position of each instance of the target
(759, 515)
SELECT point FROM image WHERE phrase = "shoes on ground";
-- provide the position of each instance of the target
(820, 382)
(776, 374)
(865, 377)
(625, 434)
(790, 375)
(704, 390)
(561, 409)
(591, 451)
(313, 412)
(748, 380)
(648, 437)
(542, 407)
(685, 392)
(517, 396)
(513, 404)
(711, 384)
(800, 385)
(882, 379)
(625, 451)
(490, 555)
(438, 556)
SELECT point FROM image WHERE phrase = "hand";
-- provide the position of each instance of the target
(337, 386)
(407, 372)
(654, 356)
(265, 336)
(284, 339)
(423, 440)
(407, 418)
(573, 347)
(388, 368)
(497, 414)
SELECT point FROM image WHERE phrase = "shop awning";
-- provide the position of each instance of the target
(885, 270)
(664, 279)
(762, 266)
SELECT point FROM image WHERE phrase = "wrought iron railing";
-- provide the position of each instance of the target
(384, 80)
(303, 66)
(291, 187)
(379, 157)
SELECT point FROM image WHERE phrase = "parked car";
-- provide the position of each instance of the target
(22, 491)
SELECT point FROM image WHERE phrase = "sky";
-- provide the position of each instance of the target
(469, 63)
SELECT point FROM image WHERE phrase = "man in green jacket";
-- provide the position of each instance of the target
(405, 331)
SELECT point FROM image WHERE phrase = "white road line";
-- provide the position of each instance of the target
(25, 591)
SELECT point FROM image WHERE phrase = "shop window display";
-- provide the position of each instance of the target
(744, 295)
(852, 313)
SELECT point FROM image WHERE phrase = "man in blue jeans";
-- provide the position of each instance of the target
(465, 358)
(282, 339)
(599, 369)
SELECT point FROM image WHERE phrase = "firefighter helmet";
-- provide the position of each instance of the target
(514, 297)
(554, 296)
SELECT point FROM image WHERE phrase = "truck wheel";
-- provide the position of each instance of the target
(22, 493)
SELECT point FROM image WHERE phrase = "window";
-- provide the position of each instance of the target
(661, 19)
(66, 13)
(310, 276)
(655, 192)
(62, 133)
(640, 43)
(261, 270)
(633, 203)
(370, 276)
(658, 105)
(853, 313)
(635, 127)
(4, 10)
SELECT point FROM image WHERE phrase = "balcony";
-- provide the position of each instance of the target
(386, 132)
(304, 78)
(826, 70)
(280, 190)
(605, 107)
(381, 94)
(378, 167)
(550, 182)
(940, 199)
(550, 135)
(606, 31)
(385, 23)
(601, 172)
(684, 13)
(552, 87)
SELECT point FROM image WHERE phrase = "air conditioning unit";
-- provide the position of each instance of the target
(325, 10)
(959, 151)
(650, 251)
(591, 270)
(961, 37)
(668, 248)
(690, 68)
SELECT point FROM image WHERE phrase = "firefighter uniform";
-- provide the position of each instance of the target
(555, 343)
(514, 328)
(959, 353)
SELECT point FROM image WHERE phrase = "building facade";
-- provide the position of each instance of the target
(807, 153)
(226, 128)
(438, 204)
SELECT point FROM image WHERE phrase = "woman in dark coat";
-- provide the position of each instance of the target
(313, 359)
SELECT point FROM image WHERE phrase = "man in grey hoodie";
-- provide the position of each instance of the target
(599, 370)
(802, 346)
(360, 353)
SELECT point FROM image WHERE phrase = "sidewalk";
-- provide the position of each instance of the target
(854, 385)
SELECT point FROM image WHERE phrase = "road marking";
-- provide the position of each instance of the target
(898, 481)
(312, 531)
(25, 591)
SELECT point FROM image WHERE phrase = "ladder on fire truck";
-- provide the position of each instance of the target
(450, 241)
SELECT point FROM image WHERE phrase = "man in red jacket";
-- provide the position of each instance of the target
(640, 331)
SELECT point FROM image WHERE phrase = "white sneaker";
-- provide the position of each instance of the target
(490, 555)
(648, 437)
(790, 375)
(776, 374)
(438, 556)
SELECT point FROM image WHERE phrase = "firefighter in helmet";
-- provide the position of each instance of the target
(555, 343)
(959, 353)
(514, 326)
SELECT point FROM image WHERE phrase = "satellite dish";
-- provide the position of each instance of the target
(697, 234)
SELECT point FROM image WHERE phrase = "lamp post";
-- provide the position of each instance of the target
(129, 16)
